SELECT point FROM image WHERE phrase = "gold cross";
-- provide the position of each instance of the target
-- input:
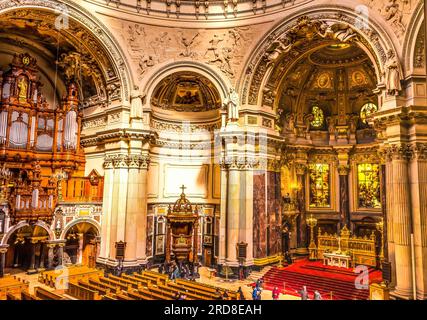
(183, 188)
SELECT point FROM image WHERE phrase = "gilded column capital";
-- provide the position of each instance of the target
(343, 170)
(300, 168)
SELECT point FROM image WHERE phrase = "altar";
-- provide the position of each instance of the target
(335, 259)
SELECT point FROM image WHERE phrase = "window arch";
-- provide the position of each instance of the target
(318, 117)
(367, 109)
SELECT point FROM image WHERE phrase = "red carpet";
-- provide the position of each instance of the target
(316, 276)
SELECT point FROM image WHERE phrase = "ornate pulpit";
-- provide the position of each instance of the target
(182, 223)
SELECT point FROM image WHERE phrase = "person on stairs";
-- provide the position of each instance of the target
(276, 293)
(303, 293)
(317, 295)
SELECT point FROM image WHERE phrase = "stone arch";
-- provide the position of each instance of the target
(156, 75)
(92, 222)
(409, 44)
(22, 224)
(373, 40)
(95, 27)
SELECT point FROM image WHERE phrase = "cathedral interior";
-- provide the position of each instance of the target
(158, 141)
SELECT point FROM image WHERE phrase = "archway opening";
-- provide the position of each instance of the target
(81, 244)
(27, 250)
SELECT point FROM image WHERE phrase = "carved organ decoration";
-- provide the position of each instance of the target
(36, 139)
(28, 122)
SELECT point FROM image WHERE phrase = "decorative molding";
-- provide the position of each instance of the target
(126, 161)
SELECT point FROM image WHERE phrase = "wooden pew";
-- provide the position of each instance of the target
(44, 294)
(153, 294)
(205, 288)
(139, 295)
(82, 293)
(102, 290)
(116, 283)
(125, 281)
(135, 279)
(98, 283)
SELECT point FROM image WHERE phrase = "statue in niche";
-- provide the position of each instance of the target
(307, 120)
(331, 126)
(291, 124)
(392, 74)
(23, 88)
(136, 104)
(352, 126)
(232, 104)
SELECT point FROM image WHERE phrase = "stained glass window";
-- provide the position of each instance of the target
(367, 110)
(368, 176)
(318, 117)
(319, 179)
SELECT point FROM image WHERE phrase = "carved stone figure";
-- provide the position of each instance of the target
(331, 126)
(187, 42)
(393, 14)
(280, 47)
(392, 74)
(344, 33)
(136, 104)
(213, 47)
(145, 62)
(232, 104)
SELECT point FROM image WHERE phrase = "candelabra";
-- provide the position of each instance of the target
(380, 228)
(312, 222)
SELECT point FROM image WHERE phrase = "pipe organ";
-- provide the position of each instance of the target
(36, 140)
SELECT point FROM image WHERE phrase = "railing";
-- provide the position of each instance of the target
(361, 249)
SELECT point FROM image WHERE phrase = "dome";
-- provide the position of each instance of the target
(186, 92)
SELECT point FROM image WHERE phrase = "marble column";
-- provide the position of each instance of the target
(401, 211)
(32, 268)
(16, 252)
(107, 199)
(418, 176)
(345, 218)
(80, 248)
(42, 256)
(60, 254)
(50, 255)
(301, 219)
(223, 215)
(247, 214)
(3, 251)
(233, 213)
(136, 215)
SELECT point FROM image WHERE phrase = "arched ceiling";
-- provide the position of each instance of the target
(79, 56)
(332, 72)
(186, 92)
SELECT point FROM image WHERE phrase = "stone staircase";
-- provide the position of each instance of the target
(255, 275)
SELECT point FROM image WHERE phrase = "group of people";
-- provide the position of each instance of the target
(257, 291)
(304, 294)
(188, 270)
